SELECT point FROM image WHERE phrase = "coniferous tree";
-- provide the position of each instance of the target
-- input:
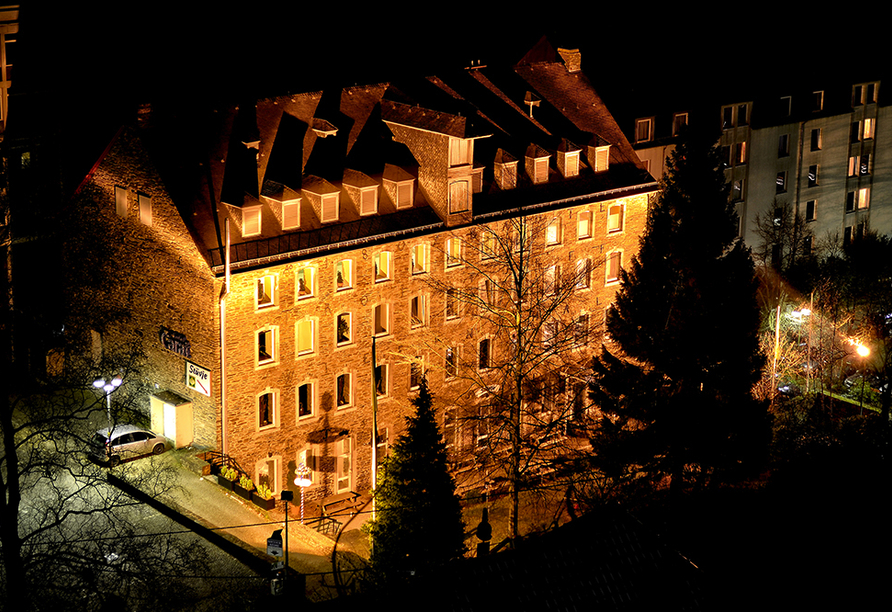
(419, 521)
(674, 383)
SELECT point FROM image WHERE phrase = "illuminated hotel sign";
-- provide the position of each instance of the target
(198, 378)
(175, 342)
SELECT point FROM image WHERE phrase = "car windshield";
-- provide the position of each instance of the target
(99, 439)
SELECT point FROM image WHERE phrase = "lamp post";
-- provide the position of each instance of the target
(863, 352)
(303, 481)
(108, 387)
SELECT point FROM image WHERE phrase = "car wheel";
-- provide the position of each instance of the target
(159, 448)
(114, 460)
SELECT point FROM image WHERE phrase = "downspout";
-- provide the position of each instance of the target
(223, 295)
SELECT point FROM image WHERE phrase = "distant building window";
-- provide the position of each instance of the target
(868, 129)
(306, 282)
(266, 346)
(615, 213)
(614, 265)
(344, 328)
(267, 410)
(740, 153)
(817, 101)
(813, 175)
(783, 145)
(251, 221)
(344, 390)
(679, 122)
(644, 130)
(459, 151)
(452, 303)
(405, 194)
(451, 362)
(483, 354)
(418, 311)
(420, 259)
(305, 400)
(583, 273)
(553, 232)
(816, 139)
(381, 319)
(602, 159)
(416, 372)
(737, 190)
(368, 201)
(453, 252)
(306, 336)
(781, 182)
(580, 330)
(382, 386)
(458, 196)
(811, 210)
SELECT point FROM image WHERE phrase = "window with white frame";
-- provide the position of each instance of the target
(344, 275)
(344, 390)
(306, 336)
(290, 215)
(552, 279)
(418, 311)
(343, 464)
(553, 232)
(307, 463)
(571, 163)
(584, 225)
(405, 194)
(602, 159)
(487, 292)
(265, 294)
(420, 258)
(266, 342)
(381, 319)
(453, 252)
(266, 473)
(368, 200)
(615, 214)
(306, 400)
(331, 203)
(459, 196)
(614, 266)
(267, 409)
(487, 244)
(251, 225)
(679, 122)
(306, 282)
(344, 328)
(383, 263)
(644, 129)
(583, 273)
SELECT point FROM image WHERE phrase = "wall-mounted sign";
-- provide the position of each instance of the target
(175, 342)
(198, 378)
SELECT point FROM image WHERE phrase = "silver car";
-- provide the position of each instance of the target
(125, 442)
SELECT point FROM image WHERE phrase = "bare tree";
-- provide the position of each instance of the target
(514, 387)
(785, 237)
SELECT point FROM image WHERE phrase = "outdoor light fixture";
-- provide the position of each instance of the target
(108, 387)
(303, 481)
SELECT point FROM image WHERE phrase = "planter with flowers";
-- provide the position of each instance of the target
(243, 487)
(263, 497)
(227, 478)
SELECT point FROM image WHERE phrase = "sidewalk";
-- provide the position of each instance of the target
(229, 521)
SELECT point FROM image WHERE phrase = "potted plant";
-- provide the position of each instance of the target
(227, 477)
(263, 497)
(243, 487)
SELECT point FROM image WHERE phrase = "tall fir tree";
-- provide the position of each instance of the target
(418, 523)
(674, 383)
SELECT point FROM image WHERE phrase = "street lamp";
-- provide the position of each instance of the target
(108, 387)
(863, 352)
(303, 480)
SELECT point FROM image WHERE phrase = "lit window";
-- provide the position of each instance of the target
(266, 409)
(868, 128)
(615, 218)
(344, 274)
(343, 465)
(483, 354)
(330, 207)
(614, 265)
(266, 346)
(381, 319)
(553, 232)
(584, 225)
(740, 153)
(420, 257)
(453, 252)
(864, 197)
(266, 291)
(383, 262)
(306, 282)
(305, 400)
(344, 328)
(418, 311)
(343, 390)
(251, 221)
(487, 244)
(306, 336)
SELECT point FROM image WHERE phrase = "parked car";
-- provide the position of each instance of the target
(125, 442)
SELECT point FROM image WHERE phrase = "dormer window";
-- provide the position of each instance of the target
(644, 130)
(291, 215)
(459, 196)
(405, 194)
(323, 128)
(537, 164)
(460, 150)
(368, 201)
(505, 170)
(330, 207)
(602, 159)
(251, 221)
(568, 159)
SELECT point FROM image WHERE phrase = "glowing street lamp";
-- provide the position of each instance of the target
(863, 352)
(108, 387)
